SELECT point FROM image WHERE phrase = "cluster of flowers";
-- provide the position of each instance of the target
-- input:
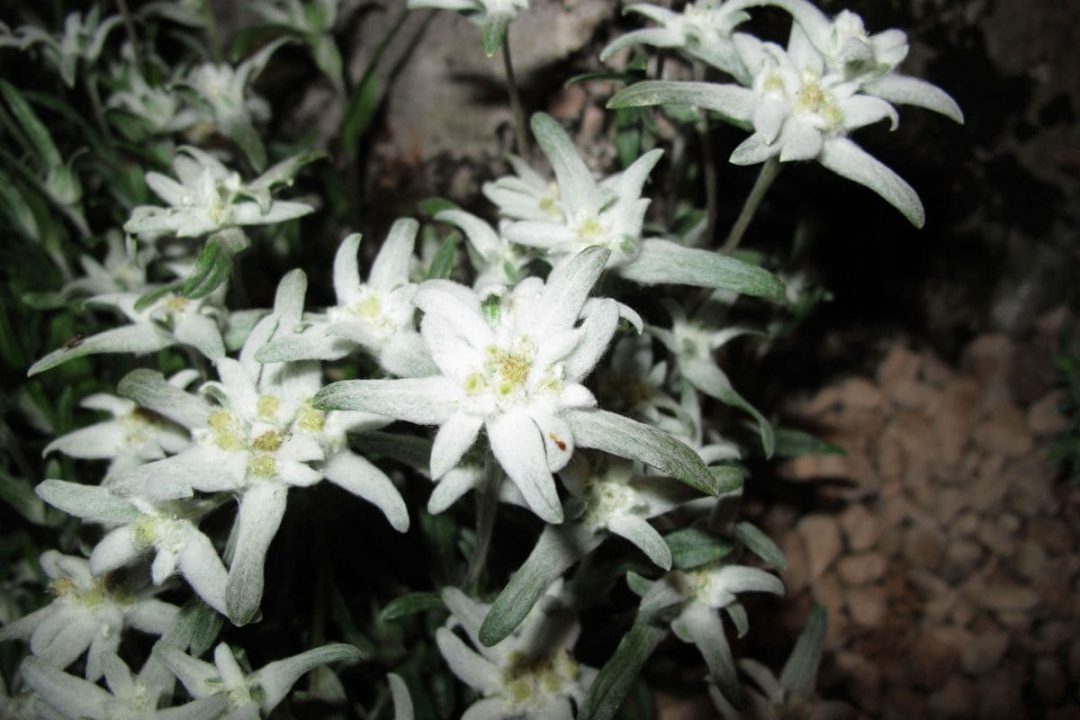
(498, 364)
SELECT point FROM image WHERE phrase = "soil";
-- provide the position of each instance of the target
(943, 545)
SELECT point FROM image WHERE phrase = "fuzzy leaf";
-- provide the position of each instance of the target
(760, 544)
(694, 546)
(559, 547)
(411, 604)
(631, 439)
(615, 680)
(665, 262)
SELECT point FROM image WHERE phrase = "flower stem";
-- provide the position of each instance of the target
(487, 500)
(212, 32)
(765, 178)
(711, 185)
(520, 128)
(129, 28)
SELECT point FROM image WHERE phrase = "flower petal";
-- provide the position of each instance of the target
(517, 445)
(848, 160)
(391, 266)
(261, 510)
(452, 441)
(467, 665)
(358, 476)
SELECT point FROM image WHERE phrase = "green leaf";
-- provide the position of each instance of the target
(493, 33)
(728, 100)
(729, 476)
(411, 604)
(559, 547)
(445, 258)
(694, 546)
(19, 494)
(799, 676)
(360, 114)
(211, 270)
(36, 133)
(615, 680)
(631, 439)
(195, 628)
(665, 262)
(432, 206)
(367, 95)
(150, 297)
(626, 77)
(792, 443)
(760, 544)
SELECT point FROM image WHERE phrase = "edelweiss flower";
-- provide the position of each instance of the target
(525, 195)
(169, 320)
(493, 16)
(314, 22)
(157, 107)
(247, 695)
(258, 438)
(376, 315)
(207, 198)
(703, 29)
(610, 215)
(223, 90)
(611, 499)
(510, 364)
(793, 692)
(132, 437)
(138, 526)
(83, 39)
(693, 341)
(530, 675)
(699, 593)
(128, 697)
(123, 270)
(632, 382)
(87, 613)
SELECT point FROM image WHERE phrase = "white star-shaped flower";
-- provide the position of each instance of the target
(529, 675)
(87, 614)
(376, 315)
(703, 30)
(510, 363)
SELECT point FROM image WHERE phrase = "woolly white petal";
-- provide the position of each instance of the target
(517, 445)
(355, 474)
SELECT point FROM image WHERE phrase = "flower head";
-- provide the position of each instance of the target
(376, 314)
(493, 16)
(87, 613)
(207, 198)
(530, 674)
(510, 362)
(702, 30)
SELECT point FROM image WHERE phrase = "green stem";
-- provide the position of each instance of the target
(515, 101)
(90, 83)
(765, 178)
(711, 184)
(487, 501)
(212, 32)
(129, 28)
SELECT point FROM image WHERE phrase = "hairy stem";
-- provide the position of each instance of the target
(487, 500)
(765, 179)
(520, 128)
(712, 191)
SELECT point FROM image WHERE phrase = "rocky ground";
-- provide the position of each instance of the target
(948, 554)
